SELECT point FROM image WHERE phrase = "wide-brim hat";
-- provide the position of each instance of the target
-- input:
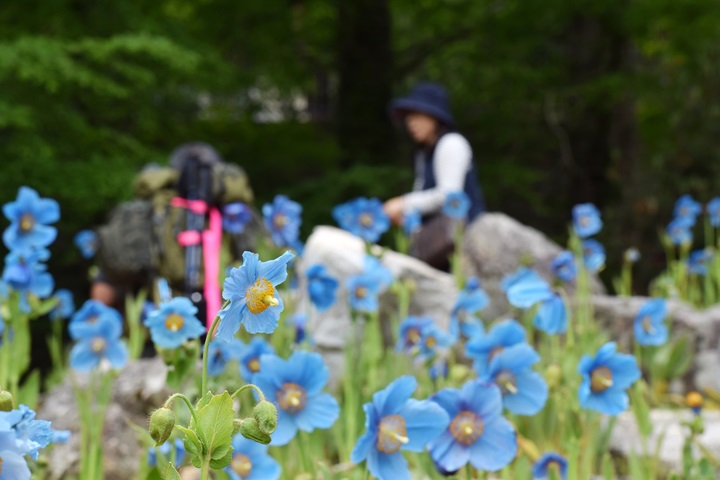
(428, 98)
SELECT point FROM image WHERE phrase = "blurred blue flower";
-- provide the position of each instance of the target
(174, 323)
(221, 352)
(438, 369)
(687, 207)
(296, 385)
(515, 277)
(299, 321)
(363, 217)
(321, 287)
(543, 464)
(700, 260)
(524, 391)
(65, 306)
(167, 449)
(27, 276)
(528, 289)
(564, 266)
(102, 341)
(586, 220)
(410, 333)
(396, 422)
(478, 433)
(593, 255)
(235, 217)
(411, 222)
(632, 255)
(29, 217)
(679, 230)
(250, 357)
(484, 347)
(649, 325)
(85, 321)
(605, 379)
(87, 242)
(364, 288)
(713, 211)
(457, 205)
(251, 461)
(282, 219)
(432, 339)
(254, 301)
(471, 300)
(551, 316)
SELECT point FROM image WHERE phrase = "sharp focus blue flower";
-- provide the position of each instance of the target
(31, 435)
(679, 230)
(250, 461)
(432, 338)
(593, 255)
(100, 341)
(221, 352)
(30, 217)
(174, 323)
(484, 347)
(395, 422)
(605, 379)
(713, 211)
(411, 222)
(14, 465)
(363, 217)
(700, 260)
(471, 300)
(87, 242)
(410, 333)
(543, 465)
(167, 449)
(457, 205)
(250, 357)
(586, 220)
(296, 386)
(551, 316)
(282, 219)
(564, 266)
(321, 287)
(524, 391)
(478, 433)
(528, 289)
(254, 301)
(84, 322)
(25, 274)
(65, 305)
(235, 217)
(687, 207)
(649, 325)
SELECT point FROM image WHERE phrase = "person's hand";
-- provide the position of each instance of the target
(394, 209)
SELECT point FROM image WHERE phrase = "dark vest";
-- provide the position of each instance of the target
(471, 188)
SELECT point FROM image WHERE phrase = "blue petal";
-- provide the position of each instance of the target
(231, 317)
(365, 444)
(321, 411)
(529, 291)
(424, 421)
(275, 271)
(449, 453)
(265, 321)
(482, 398)
(610, 402)
(532, 394)
(388, 467)
(82, 357)
(286, 429)
(390, 400)
(117, 354)
(308, 370)
(496, 447)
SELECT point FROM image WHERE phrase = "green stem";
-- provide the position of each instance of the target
(208, 338)
(193, 412)
(205, 471)
(245, 387)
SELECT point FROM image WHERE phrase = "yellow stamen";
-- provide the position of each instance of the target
(260, 296)
(291, 397)
(366, 219)
(98, 344)
(27, 222)
(392, 434)
(174, 322)
(511, 388)
(601, 379)
(270, 301)
(361, 292)
(466, 427)
(253, 365)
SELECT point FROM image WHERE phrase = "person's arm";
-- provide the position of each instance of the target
(452, 162)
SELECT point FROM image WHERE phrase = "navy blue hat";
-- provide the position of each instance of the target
(428, 98)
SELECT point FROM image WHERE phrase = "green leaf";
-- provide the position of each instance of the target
(216, 424)
(169, 473)
(220, 452)
(193, 445)
(640, 408)
(222, 462)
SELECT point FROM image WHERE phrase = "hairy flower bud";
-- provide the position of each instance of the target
(6, 401)
(265, 413)
(249, 429)
(162, 423)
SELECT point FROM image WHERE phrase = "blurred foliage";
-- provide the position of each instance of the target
(615, 102)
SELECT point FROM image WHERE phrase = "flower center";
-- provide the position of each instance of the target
(174, 322)
(647, 325)
(27, 222)
(292, 397)
(412, 336)
(466, 427)
(361, 292)
(280, 220)
(430, 341)
(366, 220)
(241, 465)
(98, 344)
(506, 381)
(601, 379)
(392, 434)
(584, 221)
(1, 462)
(260, 296)
(253, 365)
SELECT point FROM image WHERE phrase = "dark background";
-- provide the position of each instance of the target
(614, 102)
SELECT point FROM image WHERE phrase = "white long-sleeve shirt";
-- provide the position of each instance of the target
(453, 159)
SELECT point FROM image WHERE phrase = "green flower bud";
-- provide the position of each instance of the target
(459, 373)
(162, 423)
(249, 429)
(553, 375)
(6, 401)
(266, 415)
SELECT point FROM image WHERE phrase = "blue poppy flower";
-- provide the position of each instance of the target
(478, 433)
(25, 274)
(605, 379)
(593, 255)
(254, 301)
(87, 242)
(30, 435)
(299, 321)
(295, 385)
(235, 217)
(551, 316)
(457, 205)
(85, 321)
(102, 341)
(679, 230)
(174, 323)
(713, 211)
(167, 449)
(564, 266)
(484, 347)
(410, 333)
(438, 369)
(524, 391)
(586, 220)
(221, 352)
(411, 222)
(2, 328)
(432, 339)
(363, 217)
(632, 255)
(364, 288)
(549, 460)
(250, 357)
(649, 325)
(65, 306)
(528, 289)
(687, 207)
(14, 465)
(515, 277)
(471, 300)
(282, 219)
(395, 422)
(321, 287)
(699, 261)
(30, 217)
(250, 461)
